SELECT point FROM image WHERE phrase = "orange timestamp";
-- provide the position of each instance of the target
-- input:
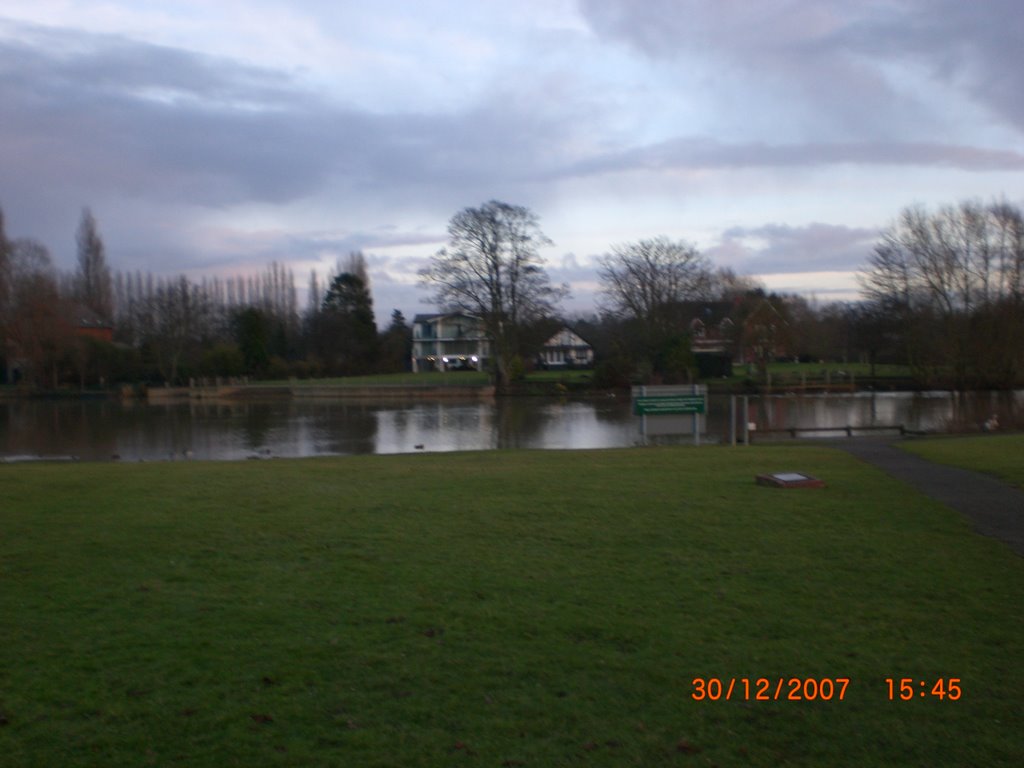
(769, 689)
(907, 688)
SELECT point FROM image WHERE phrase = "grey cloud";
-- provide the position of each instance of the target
(124, 126)
(63, 61)
(702, 154)
(777, 248)
(103, 116)
(366, 241)
(831, 56)
(168, 123)
(972, 46)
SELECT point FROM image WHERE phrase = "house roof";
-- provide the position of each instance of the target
(708, 312)
(84, 317)
(556, 341)
(432, 316)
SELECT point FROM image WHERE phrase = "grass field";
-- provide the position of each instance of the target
(779, 371)
(999, 455)
(794, 373)
(837, 371)
(427, 378)
(432, 378)
(498, 609)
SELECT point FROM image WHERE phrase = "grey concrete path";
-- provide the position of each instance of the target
(995, 508)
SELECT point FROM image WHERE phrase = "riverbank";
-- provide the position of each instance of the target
(782, 378)
(402, 392)
(516, 608)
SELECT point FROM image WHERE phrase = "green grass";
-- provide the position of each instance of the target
(575, 375)
(430, 378)
(998, 455)
(427, 378)
(496, 609)
(837, 371)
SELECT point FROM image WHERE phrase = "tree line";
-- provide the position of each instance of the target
(97, 327)
(656, 294)
(943, 293)
(946, 288)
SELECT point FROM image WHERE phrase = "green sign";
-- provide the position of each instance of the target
(667, 405)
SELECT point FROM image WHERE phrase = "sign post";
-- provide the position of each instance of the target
(659, 406)
(667, 405)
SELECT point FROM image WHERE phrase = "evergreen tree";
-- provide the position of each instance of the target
(348, 294)
(346, 334)
(396, 344)
(252, 334)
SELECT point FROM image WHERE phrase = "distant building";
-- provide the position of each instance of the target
(765, 334)
(712, 337)
(711, 326)
(566, 349)
(90, 325)
(449, 342)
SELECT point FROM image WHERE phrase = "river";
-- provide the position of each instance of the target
(104, 430)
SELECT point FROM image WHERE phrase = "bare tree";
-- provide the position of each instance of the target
(5, 255)
(649, 279)
(177, 319)
(725, 285)
(492, 269)
(315, 295)
(955, 279)
(645, 285)
(37, 328)
(5, 286)
(95, 288)
(353, 264)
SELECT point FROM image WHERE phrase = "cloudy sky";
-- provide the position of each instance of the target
(777, 135)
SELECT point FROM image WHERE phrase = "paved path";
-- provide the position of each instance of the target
(995, 508)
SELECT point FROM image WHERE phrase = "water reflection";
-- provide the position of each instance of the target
(101, 430)
(503, 424)
(915, 411)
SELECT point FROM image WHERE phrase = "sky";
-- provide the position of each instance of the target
(778, 136)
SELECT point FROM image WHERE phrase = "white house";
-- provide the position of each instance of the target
(447, 342)
(566, 349)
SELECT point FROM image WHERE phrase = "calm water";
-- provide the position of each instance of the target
(102, 430)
